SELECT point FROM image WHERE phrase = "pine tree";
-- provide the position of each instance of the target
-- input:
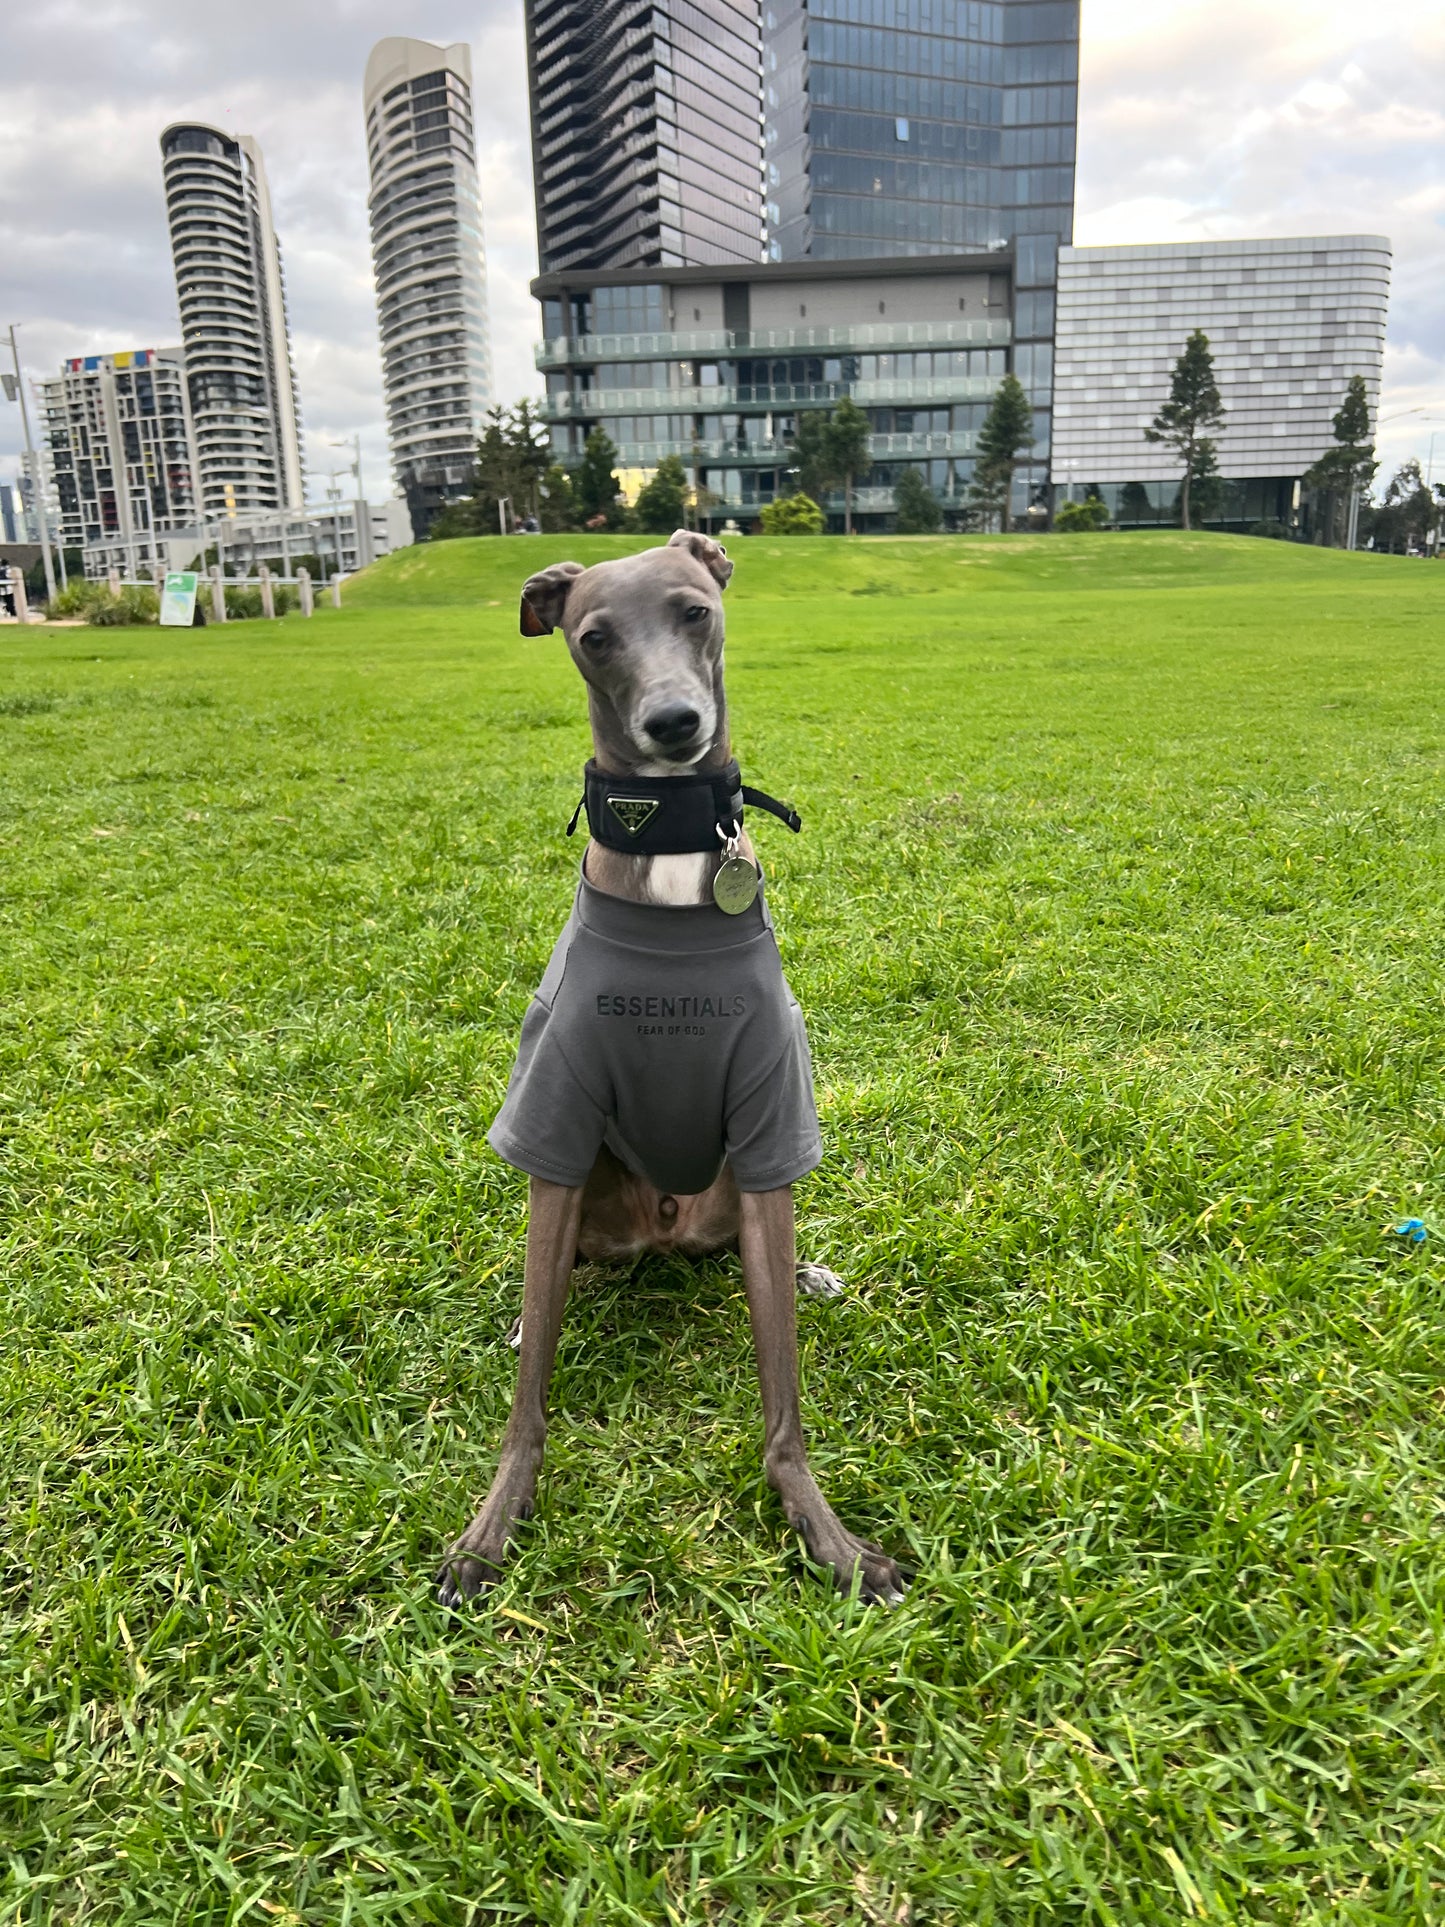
(1134, 504)
(811, 454)
(1192, 410)
(849, 441)
(594, 485)
(918, 510)
(661, 504)
(1008, 429)
(557, 511)
(1350, 465)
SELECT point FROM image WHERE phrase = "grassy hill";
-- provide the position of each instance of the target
(1117, 924)
(481, 570)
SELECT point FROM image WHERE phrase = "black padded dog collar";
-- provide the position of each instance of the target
(670, 815)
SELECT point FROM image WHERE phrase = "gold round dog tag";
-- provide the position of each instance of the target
(735, 885)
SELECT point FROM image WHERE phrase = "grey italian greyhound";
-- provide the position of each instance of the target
(646, 634)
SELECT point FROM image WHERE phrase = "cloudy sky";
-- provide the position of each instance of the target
(1198, 119)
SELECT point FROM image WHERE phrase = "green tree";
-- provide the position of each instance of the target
(1078, 518)
(792, 515)
(531, 448)
(849, 440)
(1407, 515)
(595, 488)
(811, 453)
(1347, 468)
(1206, 486)
(512, 456)
(1192, 410)
(1008, 429)
(1134, 504)
(917, 505)
(557, 512)
(661, 504)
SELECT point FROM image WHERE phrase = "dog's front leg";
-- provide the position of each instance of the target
(475, 1561)
(768, 1244)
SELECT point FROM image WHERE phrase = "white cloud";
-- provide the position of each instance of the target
(83, 237)
(1199, 118)
(1203, 121)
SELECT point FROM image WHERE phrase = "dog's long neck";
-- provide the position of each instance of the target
(675, 880)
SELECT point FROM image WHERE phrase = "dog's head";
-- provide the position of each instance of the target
(646, 632)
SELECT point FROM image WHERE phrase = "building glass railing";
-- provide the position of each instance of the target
(772, 452)
(783, 394)
(856, 338)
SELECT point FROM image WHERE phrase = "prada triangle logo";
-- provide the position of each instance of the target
(634, 813)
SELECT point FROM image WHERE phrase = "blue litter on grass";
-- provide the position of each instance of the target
(1412, 1230)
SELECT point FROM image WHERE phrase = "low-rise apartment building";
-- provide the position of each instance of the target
(716, 365)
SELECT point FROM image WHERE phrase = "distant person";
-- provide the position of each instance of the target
(531, 526)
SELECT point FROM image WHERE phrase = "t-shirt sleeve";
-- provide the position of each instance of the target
(772, 1125)
(550, 1125)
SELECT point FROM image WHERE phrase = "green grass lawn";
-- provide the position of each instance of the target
(1117, 921)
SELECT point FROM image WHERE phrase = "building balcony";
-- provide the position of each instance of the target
(776, 453)
(862, 338)
(598, 402)
(866, 501)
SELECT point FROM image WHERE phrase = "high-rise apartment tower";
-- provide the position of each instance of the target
(233, 321)
(121, 449)
(646, 132)
(430, 264)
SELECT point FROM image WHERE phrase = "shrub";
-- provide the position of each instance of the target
(242, 604)
(76, 600)
(1272, 531)
(1078, 518)
(94, 601)
(792, 515)
(133, 605)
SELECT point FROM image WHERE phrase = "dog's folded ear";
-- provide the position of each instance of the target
(712, 555)
(544, 597)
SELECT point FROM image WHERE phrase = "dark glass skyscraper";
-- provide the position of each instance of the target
(646, 132)
(918, 126)
(928, 127)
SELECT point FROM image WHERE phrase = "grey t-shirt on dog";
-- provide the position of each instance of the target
(671, 1036)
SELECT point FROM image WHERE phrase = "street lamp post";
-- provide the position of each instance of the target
(37, 480)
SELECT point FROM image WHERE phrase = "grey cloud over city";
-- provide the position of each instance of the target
(1195, 121)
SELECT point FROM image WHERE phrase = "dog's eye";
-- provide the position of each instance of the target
(697, 613)
(594, 638)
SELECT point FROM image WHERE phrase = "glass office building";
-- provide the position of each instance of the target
(923, 127)
(717, 368)
(646, 132)
(1289, 322)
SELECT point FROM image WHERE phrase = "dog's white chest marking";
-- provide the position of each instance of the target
(677, 880)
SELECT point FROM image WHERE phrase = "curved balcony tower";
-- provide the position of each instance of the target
(430, 266)
(233, 321)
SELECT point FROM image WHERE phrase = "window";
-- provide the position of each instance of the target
(900, 128)
(620, 311)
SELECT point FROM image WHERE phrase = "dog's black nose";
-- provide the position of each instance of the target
(673, 724)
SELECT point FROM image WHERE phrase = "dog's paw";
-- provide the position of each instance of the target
(818, 1282)
(462, 1578)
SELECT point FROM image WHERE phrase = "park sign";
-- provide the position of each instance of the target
(178, 600)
